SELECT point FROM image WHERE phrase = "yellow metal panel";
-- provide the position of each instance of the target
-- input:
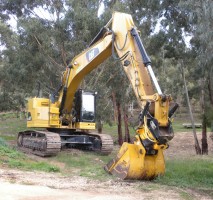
(161, 112)
(85, 125)
(42, 114)
(37, 124)
(54, 117)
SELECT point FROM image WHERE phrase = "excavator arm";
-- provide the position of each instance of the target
(119, 37)
(79, 67)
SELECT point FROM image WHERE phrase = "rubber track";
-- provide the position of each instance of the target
(51, 143)
(106, 143)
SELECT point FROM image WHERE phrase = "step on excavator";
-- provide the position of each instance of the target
(69, 114)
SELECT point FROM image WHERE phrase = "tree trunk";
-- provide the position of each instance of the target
(210, 85)
(127, 135)
(39, 89)
(120, 138)
(99, 126)
(204, 135)
(197, 146)
(210, 88)
(115, 107)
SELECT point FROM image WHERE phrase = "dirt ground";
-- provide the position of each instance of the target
(22, 185)
(18, 185)
(183, 145)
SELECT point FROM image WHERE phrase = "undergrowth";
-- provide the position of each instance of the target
(10, 157)
(86, 164)
(196, 173)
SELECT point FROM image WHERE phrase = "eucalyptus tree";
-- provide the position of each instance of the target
(201, 18)
(48, 35)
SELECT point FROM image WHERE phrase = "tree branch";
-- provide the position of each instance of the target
(51, 59)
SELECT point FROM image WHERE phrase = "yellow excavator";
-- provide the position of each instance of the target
(69, 113)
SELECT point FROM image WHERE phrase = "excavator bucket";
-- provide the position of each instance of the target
(132, 162)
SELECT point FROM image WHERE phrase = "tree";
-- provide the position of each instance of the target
(43, 44)
(201, 18)
(197, 146)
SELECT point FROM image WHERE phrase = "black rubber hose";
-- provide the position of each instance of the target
(173, 109)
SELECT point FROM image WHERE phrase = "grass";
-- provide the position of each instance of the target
(86, 164)
(186, 196)
(196, 173)
(10, 157)
(8, 115)
(10, 125)
(178, 126)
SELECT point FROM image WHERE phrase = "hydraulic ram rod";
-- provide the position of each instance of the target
(154, 79)
(146, 59)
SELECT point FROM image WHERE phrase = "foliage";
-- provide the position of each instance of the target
(2, 142)
(202, 44)
(41, 46)
(37, 51)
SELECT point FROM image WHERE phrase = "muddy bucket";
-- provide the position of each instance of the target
(133, 163)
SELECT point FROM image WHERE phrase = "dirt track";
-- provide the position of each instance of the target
(182, 145)
(19, 185)
(27, 192)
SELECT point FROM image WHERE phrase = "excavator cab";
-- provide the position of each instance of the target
(84, 106)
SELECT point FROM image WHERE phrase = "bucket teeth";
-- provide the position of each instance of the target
(109, 165)
(120, 171)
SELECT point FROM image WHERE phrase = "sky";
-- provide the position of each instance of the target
(45, 15)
